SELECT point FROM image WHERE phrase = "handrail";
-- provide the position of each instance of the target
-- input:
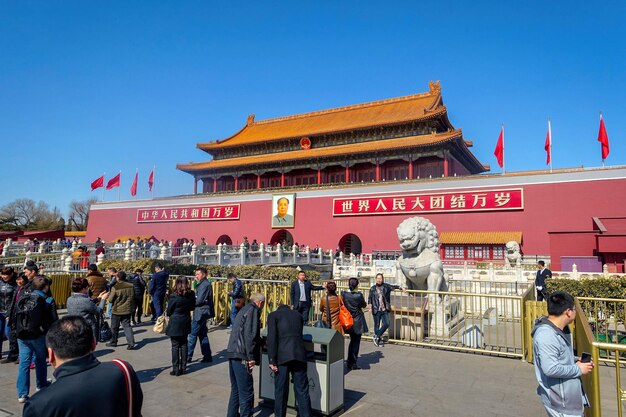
(585, 341)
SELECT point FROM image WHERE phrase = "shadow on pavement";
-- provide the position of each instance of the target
(149, 340)
(148, 375)
(351, 398)
(102, 352)
(365, 361)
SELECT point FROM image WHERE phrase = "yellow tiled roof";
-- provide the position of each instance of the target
(376, 113)
(479, 238)
(353, 148)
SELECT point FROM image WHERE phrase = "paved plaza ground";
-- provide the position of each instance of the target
(395, 381)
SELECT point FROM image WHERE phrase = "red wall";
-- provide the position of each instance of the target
(559, 206)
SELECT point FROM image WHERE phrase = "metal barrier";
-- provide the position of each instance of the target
(583, 342)
(480, 323)
(606, 318)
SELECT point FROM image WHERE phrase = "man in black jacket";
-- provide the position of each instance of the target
(301, 295)
(543, 273)
(380, 304)
(244, 352)
(70, 346)
(157, 288)
(139, 286)
(287, 355)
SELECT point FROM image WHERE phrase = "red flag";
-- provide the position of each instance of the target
(548, 145)
(114, 182)
(151, 180)
(133, 188)
(98, 183)
(603, 138)
(499, 151)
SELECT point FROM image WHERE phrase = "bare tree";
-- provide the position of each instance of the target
(79, 214)
(26, 214)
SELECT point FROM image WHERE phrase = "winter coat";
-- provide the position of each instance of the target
(123, 298)
(179, 308)
(355, 303)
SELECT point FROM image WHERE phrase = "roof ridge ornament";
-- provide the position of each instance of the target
(250, 119)
(434, 86)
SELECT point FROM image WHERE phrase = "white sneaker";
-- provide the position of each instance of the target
(22, 399)
(376, 341)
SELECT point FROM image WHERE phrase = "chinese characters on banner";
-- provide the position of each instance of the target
(188, 214)
(512, 199)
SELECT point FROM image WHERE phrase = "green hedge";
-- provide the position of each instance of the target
(596, 288)
(242, 271)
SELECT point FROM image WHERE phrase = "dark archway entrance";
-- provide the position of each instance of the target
(224, 240)
(350, 243)
(280, 236)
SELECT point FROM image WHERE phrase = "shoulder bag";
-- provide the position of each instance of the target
(321, 323)
(345, 318)
(129, 384)
(161, 325)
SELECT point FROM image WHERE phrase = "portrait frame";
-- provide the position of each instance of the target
(289, 220)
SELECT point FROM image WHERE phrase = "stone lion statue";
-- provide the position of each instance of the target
(420, 262)
(513, 254)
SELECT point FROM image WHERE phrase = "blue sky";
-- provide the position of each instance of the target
(93, 87)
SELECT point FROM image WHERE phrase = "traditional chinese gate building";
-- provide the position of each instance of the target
(402, 138)
(352, 174)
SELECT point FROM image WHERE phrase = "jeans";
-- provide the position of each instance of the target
(353, 348)
(241, 402)
(28, 349)
(128, 331)
(303, 308)
(198, 331)
(380, 328)
(233, 311)
(300, 389)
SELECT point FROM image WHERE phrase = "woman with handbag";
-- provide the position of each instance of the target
(181, 303)
(330, 305)
(79, 304)
(355, 303)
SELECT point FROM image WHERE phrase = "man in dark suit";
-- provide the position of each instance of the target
(157, 288)
(301, 295)
(286, 354)
(543, 273)
(204, 310)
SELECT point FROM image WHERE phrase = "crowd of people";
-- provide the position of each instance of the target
(36, 336)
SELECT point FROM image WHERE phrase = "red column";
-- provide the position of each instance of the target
(319, 175)
(195, 185)
(445, 165)
(236, 183)
(410, 168)
(377, 171)
(347, 173)
(258, 181)
(282, 179)
(214, 185)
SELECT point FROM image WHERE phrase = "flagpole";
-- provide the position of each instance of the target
(503, 164)
(153, 175)
(550, 142)
(119, 186)
(103, 186)
(137, 178)
(601, 143)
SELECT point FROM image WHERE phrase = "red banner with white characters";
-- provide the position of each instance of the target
(188, 214)
(483, 200)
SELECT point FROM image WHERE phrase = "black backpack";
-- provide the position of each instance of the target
(29, 316)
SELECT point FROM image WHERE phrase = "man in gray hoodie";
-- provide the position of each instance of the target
(558, 371)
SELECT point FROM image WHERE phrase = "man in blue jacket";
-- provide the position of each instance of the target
(235, 295)
(204, 311)
(558, 371)
(157, 287)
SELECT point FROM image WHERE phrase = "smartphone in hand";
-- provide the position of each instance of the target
(585, 357)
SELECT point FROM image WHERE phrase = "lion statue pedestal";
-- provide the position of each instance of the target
(423, 270)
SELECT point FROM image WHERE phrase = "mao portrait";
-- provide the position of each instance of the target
(283, 206)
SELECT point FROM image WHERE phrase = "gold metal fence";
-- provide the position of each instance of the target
(479, 323)
(606, 318)
(583, 342)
